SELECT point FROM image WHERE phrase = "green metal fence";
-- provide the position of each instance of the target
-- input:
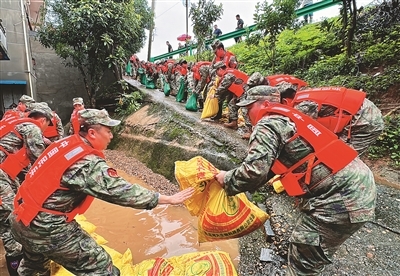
(247, 30)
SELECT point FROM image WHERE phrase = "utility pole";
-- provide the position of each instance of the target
(187, 18)
(151, 31)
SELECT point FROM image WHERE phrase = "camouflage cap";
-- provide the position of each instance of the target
(219, 64)
(25, 99)
(216, 43)
(78, 100)
(42, 108)
(284, 85)
(97, 117)
(255, 79)
(261, 93)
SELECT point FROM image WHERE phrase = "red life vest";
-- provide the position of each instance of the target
(16, 114)
(241, 79)
(15, 162)
(196, 69)
(51, 131)
(275, 79)
(326, 147)
(43, 179)
(347, 101)
(76, 126)
(227, 59)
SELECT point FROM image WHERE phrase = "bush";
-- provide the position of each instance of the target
(388, 144)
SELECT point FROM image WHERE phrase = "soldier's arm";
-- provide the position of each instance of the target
(224, 84)
(33, 141)
(264, 147)
(60, 127)
(94, 177)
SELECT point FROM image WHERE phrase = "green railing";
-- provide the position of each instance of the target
(247, 30)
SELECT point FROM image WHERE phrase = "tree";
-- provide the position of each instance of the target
(271, 20)
(203, 14)
(95, 36)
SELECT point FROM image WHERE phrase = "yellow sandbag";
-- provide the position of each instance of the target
(210, 107)
(99, 239)
(228, 217)
(195, 173)
(206, 263)
(220, 216)
(87, 226)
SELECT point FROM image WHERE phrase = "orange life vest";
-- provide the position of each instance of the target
(16, 114)
(196, 69)
(43, 179)
(226, 59)
(275, 79)
(347, 101)
(237, 87)
(15, 162)
(76, 126)
(326, 147)
(51, 131)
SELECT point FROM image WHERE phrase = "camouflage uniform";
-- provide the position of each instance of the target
(190, 82)
(16, 112)
(202, 83)
(331, 212)
(365, 127)
(50, 236)
(32, 140)
(60, 128)
(223, 94)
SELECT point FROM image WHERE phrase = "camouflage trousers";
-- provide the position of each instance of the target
(7, 195)
(231, 98)
(78, 253)
(313, 243)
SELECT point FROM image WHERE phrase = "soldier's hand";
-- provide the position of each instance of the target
(177, 198)
(220, 178)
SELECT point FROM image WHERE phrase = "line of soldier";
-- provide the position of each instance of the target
(231, 86)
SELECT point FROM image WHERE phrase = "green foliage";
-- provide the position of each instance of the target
(271, 20)
(388, 144)
(259, 197)
(128, 103)
(381, 53)
(94, 36)
(328, 68)
(203, 14)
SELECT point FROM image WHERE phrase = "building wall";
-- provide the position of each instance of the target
(56, 84)
(19, 67)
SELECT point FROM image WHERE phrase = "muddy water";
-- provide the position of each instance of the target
(165, 231)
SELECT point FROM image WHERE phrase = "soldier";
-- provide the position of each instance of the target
(55, 131)
(346, 112)
(201, 76)
(221, 54)
(21, 143)
(74, 121)
(231, 88)
(335, 189)
(44, 218)
(20, 110)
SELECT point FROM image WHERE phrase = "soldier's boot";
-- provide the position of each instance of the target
(219, 114)
(233, 124)
(246, 136)
(13, 264)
